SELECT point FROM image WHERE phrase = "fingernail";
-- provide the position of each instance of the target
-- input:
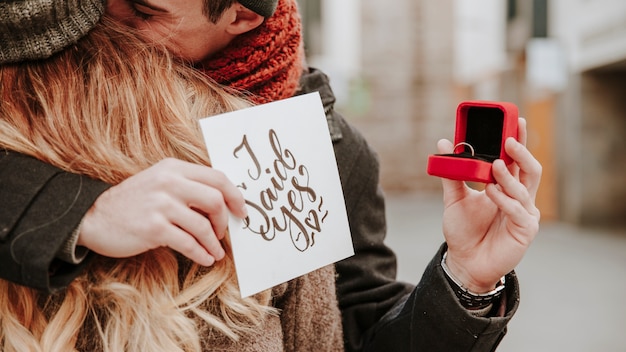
(244, 211)
(210, 260)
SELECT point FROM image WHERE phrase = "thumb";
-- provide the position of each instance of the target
(445, 146)
(453, 190)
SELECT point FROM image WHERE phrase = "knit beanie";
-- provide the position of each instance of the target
(37, 29)
(264, 8)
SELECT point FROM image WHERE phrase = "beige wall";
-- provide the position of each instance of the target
(404, 97)
(592, 111)
(592, 149)
(407, 73)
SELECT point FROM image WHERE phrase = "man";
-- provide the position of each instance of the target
(487, 233)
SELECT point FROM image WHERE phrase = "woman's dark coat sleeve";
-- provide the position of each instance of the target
(380, 313)
(41, 207)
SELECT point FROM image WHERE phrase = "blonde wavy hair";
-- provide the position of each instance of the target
(109, 107)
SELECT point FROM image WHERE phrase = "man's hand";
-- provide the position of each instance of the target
(173, 204)
(488, 232)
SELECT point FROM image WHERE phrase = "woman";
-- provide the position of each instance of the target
(109, 107)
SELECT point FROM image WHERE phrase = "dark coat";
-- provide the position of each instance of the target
(42, 205)
(380, 313)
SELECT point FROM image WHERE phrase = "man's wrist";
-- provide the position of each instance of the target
(468, 298)
(460, 273)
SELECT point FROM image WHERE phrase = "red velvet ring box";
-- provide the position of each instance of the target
(481, 129)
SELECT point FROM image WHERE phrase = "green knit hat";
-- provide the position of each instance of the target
(264, 8)
(37, 29)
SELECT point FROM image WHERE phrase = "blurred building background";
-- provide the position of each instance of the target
(400, 68)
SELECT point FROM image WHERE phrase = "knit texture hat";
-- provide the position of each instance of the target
(264, 8)
(266, 62)
(37, 29)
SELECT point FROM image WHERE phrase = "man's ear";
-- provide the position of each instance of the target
(243, 20)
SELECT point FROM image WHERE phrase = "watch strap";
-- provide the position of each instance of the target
(468, 298)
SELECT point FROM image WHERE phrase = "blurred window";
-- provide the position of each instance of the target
(540, 18)
(311, 11)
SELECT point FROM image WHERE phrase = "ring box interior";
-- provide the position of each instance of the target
(482, 127)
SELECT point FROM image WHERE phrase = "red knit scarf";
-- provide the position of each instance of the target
(266, 62)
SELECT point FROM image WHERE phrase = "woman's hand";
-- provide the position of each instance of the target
(173, 204)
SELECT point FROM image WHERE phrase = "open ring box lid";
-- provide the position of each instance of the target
(485, 126)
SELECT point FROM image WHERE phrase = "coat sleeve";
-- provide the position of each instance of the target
(41, 206)
(432, 319)
(380, 313)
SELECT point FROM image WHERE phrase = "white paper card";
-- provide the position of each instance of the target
(281, 157)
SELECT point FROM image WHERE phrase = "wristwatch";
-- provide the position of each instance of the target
(468, 298)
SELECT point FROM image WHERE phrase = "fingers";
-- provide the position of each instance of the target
(180, 241)
(174, 224)
(204, 211)
(522, 132)
(517, 185)
(529, 168)
(216, 179)
(511, 187)
(202, 229)
(175, 204)
(203, 198)
(445, 146)
(515, 201)
(523, 224)
(453, 190)
(231, 195)
(522, 136)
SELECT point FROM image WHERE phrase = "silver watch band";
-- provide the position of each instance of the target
(468, 298)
